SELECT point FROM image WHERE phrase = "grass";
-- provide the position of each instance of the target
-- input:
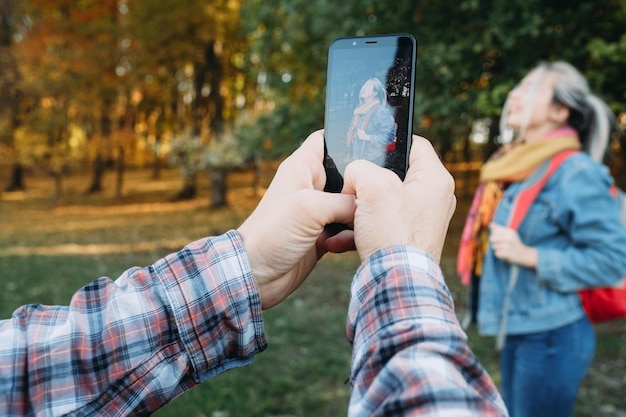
(48, 251)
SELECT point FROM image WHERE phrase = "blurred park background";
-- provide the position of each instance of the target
(128, 128)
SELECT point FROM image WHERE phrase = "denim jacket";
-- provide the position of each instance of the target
(574, 224)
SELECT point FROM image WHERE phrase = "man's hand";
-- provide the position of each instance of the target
(415, 212)
(284, 237)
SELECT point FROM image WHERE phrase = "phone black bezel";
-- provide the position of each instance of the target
(401, 41)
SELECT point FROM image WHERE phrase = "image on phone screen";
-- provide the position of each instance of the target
(369, 103)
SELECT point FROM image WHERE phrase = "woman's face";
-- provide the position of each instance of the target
(535, 95)
(367, 91)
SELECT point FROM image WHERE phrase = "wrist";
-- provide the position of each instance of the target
(256, 270)
(530, 257)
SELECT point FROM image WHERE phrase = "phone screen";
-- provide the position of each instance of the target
(369, 103)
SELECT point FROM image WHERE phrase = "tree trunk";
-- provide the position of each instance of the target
(213, 58)
(105, 130)
(189, 189)
(218, 187)
(17, 178)
(156, 167)
(119, 183)
(156, 163)
(467, 189)
(445, 146)
(58, 188)
(98, 175)
(10, 94)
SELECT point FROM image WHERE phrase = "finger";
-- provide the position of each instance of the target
(361, 172)
(326, 208)
(341, 242)
(313, 145)
(496, 229)
(423, 155)
(495, 238)
(314, 148)
(303, 168)
(425, 167)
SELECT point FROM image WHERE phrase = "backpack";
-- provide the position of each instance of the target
(603, 303)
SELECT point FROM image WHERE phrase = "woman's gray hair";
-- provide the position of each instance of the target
(589, 115)
(379, 89)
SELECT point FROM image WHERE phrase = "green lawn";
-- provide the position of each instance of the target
(48, 252)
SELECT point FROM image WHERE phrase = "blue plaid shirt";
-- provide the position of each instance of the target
(130, 346)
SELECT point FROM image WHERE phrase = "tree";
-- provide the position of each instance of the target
(68, 58)
(12, 100)
(474, 53)
(187, 62)
(124, 71)
(471, 53)
(286, 56)
(43, 137)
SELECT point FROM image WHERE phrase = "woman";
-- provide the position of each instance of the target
(571, 238)
(372, 127)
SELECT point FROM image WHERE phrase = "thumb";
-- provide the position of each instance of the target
(332, 207)
(366, 177)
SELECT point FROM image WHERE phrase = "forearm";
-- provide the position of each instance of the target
(573, 268)
(409, 352)
(135, 343)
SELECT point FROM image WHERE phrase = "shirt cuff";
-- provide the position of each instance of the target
(548, 267)
(393, 284)
(215, 303)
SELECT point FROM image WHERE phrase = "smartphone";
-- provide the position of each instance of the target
(369, 103)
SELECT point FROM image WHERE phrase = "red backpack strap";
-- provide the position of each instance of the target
(536, 181)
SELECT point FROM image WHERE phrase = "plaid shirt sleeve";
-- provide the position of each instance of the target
(410, 356)
(129, 346)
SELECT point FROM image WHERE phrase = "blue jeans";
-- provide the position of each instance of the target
(541, 372)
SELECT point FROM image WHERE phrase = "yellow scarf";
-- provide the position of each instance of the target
(365, 107)
(518, 162)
